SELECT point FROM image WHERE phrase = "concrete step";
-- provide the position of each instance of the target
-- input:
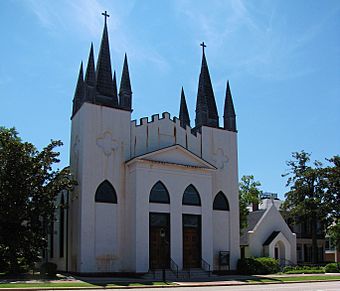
(182, 274)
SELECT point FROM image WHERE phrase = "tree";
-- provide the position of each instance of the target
(332, 182)
(312, 195)
(249, 193)
(334, 234)
(28, 188)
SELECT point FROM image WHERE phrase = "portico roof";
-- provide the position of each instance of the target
(189, 159)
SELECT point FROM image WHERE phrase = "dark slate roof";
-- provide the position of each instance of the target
(229, 111)
(206, 110)
(253, 218)
(90, 75)
(114, 85)
(79, 93)
(271, 238)
(183, 111)
(104, 84)
(125, 93)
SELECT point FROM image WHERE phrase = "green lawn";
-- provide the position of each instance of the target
(291, 279)
(79, 284)
(122, 284)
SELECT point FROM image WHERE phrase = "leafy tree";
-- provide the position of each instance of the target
(313, 191)
(28, 187)
(334, 234)
(332, 182)
(249, 193)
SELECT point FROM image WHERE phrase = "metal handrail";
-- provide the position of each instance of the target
(174, 267)
(153, 271)
(205, 266)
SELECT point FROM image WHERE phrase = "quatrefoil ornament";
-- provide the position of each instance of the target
(107, 143)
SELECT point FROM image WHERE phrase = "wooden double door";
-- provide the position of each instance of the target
(159, 240)
(191, 241)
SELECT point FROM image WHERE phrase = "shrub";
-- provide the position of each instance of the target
(48, 269)
(332, 268)
(268, 265)
(258, 266)
(247, 266)
(304, 270)
(288, 269)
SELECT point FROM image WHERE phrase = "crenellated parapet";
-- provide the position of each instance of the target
(157, 132)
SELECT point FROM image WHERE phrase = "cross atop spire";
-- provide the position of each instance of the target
(206, 110)
(105, 15)
(203, 45)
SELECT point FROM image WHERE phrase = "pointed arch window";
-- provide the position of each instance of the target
(159, 194)
(221, 202)
(191, 196)
(106, 193)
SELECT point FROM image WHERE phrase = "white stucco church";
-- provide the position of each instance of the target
(151, 193)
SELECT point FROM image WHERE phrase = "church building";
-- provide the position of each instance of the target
(158, 192)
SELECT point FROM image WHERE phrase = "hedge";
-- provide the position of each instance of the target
(48, 269)
(332, 268)
(258, 266)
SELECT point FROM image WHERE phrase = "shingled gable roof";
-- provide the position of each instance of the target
(253, 218)
(272, 236)
(148, 157)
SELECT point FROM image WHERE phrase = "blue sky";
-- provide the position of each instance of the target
(282, 59)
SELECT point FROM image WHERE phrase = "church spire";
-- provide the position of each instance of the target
(183, 111)
(125, 93)
(104, 84)
(206, 110)
(79, 93)
(90, 78)
(229, 111)
(90, 75)
(114, 85)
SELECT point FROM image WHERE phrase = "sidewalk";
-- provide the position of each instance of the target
(100, 282)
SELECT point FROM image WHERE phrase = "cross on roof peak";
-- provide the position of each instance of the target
(105, 15)
(203, 45)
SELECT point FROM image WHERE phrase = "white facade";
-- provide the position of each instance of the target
(106, 237)
(152, 192)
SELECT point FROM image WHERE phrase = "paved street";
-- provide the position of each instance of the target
(317, 286)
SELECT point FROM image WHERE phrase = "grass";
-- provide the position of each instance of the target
(157, 283)
(80, 284)
(317, 271)
(292, 279)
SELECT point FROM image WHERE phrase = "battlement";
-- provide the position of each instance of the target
(157, 132)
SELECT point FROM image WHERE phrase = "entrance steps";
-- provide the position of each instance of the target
(194, 274)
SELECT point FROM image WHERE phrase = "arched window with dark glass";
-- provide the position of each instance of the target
(221, 202)
(191, 196)
(159, 194)
(106, 193)
(61, 226)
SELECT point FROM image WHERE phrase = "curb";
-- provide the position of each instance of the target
(163, 286)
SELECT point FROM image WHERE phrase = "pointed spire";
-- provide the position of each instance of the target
(183, 111)
(104, 86)
(79, 93)
(206, 110)
(114, 85)
(125, 93)
(90, 75)
(229, 111)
